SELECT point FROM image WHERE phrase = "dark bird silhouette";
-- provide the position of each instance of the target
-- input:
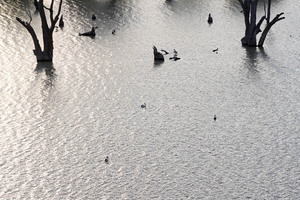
(93, 17)
(165, 51)
(215, 117)
(157, 55)
(106, 159)
(144, 106)
(210, 19)
(90, 33)
(215, 49)
(61, 22)
(113, 32)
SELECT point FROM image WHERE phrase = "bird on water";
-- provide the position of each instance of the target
(215, 117)
(144, 106)
(106, 159)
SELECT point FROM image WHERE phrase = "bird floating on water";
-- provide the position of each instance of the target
(113, 32)
(93, 17)
(215, 117)
(210, 19)
(106, 159)
(144, 106)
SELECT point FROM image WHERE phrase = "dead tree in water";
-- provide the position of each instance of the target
(252, 29)
(47, 53)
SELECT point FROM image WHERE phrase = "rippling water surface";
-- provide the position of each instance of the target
(59, 121)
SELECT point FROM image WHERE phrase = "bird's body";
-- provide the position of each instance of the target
(210, 19)
(113, 32)
(215, 117)
(106, 159)
(215, 49)
(93, 17)
(144, 106)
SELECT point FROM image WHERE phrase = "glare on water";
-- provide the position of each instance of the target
(59, 120)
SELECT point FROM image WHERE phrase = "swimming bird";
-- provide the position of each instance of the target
(61, 21)
(93, 17)
(210, 19)
(157, 55)
(144, 106)
(215, 49)
(113, 32)
(106, 159)
(215, 117)
(165, 51)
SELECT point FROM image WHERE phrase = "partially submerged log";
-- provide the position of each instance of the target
(89, 33)
(157, 55)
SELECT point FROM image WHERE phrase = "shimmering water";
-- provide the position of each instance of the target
(58, 125)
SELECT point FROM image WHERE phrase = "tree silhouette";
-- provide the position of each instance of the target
(45, 54)
(252, 29)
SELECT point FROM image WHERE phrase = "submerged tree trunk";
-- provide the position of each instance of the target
(268, 27)
(47, 53)
(252, 29)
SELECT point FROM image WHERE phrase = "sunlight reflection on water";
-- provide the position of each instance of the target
(60, 120)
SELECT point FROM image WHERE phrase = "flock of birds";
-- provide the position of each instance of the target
(158, 56)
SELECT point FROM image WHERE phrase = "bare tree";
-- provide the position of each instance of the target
(45, 54)
(252, 29)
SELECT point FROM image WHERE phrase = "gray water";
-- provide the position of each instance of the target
(58, 125)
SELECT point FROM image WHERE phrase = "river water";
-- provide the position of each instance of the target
(59, 121)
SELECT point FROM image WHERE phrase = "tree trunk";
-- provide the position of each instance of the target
(252, 29)
(249, 10)
(47, 53)
(269, 12)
